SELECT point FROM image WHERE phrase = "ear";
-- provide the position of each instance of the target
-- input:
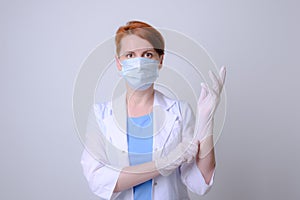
(119, 66)
(161, 58)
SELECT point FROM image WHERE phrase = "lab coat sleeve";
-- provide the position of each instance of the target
(101, 178)
(191, 176)
(194, 180)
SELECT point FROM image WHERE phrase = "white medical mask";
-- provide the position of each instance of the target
(139, 72)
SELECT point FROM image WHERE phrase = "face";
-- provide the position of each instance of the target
(133, 46)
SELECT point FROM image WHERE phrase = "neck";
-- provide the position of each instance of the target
(140, 97)
(139, 102)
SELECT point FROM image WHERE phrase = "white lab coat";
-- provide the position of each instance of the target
(106, 150)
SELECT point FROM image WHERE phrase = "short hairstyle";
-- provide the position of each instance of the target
(142, 30)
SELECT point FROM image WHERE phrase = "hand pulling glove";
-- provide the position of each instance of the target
(185, 151)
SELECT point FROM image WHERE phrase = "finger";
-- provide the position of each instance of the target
(217, 85)
(203, 93)
(222, 74)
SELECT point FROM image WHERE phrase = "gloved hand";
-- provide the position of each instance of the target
(207, 104)
(185, 151)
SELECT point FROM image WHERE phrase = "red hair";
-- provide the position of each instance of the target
(142, 30)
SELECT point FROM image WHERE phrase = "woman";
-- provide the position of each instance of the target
(153, 140)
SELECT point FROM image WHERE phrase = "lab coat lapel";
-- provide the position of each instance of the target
(119, 113)
(163, 122)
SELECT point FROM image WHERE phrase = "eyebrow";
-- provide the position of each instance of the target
(126, 52)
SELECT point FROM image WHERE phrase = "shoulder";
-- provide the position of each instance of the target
(102, 110)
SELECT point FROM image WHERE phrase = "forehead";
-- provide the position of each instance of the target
(134, 42)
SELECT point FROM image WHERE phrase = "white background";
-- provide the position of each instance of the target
(43, 43)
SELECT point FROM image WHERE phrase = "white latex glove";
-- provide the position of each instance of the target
(207, 104)
(184, 152)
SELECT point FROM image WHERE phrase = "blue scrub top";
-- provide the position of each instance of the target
(140, 142)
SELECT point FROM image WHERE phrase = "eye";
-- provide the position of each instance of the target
(129, 55)
(148, 55)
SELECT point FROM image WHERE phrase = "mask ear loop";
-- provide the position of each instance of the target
(118, 59)
(118, 62)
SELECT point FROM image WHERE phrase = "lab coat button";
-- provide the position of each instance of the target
(155, 183)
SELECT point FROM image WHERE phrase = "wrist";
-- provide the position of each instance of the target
(206, 146)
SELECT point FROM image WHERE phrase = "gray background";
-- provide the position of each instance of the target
(43, 43)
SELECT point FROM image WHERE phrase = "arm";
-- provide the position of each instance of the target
(207, 104)
(204, 167)
(196, 176)
(206, 159)
(100, 176)
(133, 175)
(130, 176)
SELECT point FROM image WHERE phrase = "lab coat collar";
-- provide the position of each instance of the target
(119, 108)
(162, 101)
